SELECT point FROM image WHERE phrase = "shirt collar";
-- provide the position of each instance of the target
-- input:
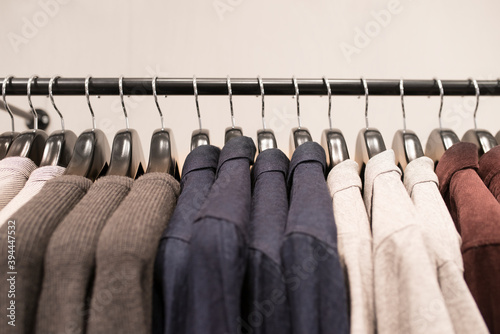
(382, 163)
(202, 157)
(489, 165)
(307, 152)
(271, 160)
(45, 173)
(344, 175)
(237, 148)
(21, 165)
(458, 157)
(419, 171)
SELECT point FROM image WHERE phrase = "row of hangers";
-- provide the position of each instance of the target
(89, 154)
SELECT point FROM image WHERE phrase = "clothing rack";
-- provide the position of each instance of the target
(249, 86)
(43, 117)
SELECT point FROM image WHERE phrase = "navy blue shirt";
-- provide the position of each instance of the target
(218, 245)
(171, 265)
(264, 305)
(313, 275)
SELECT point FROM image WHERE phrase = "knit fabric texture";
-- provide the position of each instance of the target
(36, 181)
(354, 244)
(122, 292)
(443, 245)
(70, 258)
(408, 298)
(476, 214)
(34, 225)
(14, 172)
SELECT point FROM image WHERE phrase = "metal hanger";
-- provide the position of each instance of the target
(406, 145)
(298, 135)
(265, 137)
(370, 141)
(482, 138)
(60, 144)
(232, 131)
(91, 154)
(333, 140)
(7, 138)
(440, 139)
(127, 158)
(201, 136)
(162, 152)
(29, 144)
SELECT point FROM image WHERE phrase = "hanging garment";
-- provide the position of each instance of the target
(14, 172)
(171, 265)
(313, 274)
(123, 286)
(264, 305)
(476, 214)
(354, 244)
(218, 244)
(36, 181)
(407, 294)
(443, 245)
(34, 224)
(489, 170)
(69, 263)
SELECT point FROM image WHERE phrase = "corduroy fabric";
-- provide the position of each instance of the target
(14, 172)
(36, 181)
(476, 214)
(408, 298)
(354, 244)
(35, 223)
(489, 170)
(443, 245)
(70, 258)
(122, 292)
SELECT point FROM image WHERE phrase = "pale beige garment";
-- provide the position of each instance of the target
(354, 244)
(407, 294)
(443, 245)
(32, 187)
(14, 172)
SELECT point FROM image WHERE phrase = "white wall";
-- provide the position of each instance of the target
(214, 38)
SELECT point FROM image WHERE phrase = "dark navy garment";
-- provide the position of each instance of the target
(218, 245)
(314, 277)
(264, 306)
(171, 265)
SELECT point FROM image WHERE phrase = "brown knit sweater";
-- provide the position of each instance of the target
(70, 258)
(122, 293)
(34, 223)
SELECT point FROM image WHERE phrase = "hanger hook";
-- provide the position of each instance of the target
(195, 90)
(296, 85)
(28, 90)
(365, 86)
(87, 95)
(51, 96)
(329, 91)
(402, 93)
(4, 93)
(261, 85)
(120, 86)
(153, 84)
(230, 93)
(478, 94)
(441, 96)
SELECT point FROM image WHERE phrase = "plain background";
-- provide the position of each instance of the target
(419, 39)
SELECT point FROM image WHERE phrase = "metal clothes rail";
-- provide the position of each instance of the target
(218, 86)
